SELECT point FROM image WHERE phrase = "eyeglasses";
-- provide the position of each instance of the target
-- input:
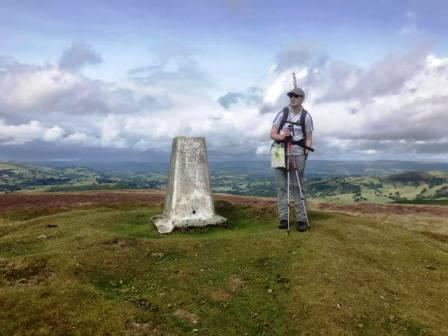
(294, 96)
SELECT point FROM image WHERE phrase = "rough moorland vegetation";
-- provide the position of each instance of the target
(93, 264)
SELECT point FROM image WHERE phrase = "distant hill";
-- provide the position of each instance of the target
(315, 168)
(252, 178)
(407, 186)
(15, 177)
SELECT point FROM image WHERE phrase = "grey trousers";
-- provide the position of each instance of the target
(282, 191)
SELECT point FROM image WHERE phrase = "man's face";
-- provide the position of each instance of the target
(295, 100)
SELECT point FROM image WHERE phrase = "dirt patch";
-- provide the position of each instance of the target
(139, 328)
(235, 284)
(144, 304)
(24, 273)
(186, 316)
(219, 296)
(121, 242)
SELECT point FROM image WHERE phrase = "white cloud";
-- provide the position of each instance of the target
(20, 134)
(277, 88)
(398, 105)
(80, 138)
(53, 134)
(391, 107)
(31, 88)
(24, 133)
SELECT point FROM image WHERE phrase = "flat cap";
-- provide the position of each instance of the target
(297, 91)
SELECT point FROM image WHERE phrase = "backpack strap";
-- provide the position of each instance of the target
(284, 118)
(301, 142)
(302, 122)
(285, 112)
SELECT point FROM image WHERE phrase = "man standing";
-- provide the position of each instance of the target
(286, 125)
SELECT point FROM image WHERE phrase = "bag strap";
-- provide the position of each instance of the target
(302, 125)
(302, 122)
(284, 118)
(285, 112)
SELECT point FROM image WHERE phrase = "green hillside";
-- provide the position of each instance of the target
(14, 177)
(411, 187)
(402, 187)
(104, 270)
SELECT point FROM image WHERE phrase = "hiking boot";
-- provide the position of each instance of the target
(302, 226)
(283, 224)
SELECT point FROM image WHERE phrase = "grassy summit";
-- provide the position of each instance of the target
(103, 269)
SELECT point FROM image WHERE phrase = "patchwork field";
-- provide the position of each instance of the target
(402, 187)
(244, 179)
(91, 263)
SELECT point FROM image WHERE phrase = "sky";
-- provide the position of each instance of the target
(118, 80)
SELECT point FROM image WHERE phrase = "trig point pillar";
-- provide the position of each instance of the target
(188, 200)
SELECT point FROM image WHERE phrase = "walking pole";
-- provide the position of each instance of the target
(294, 167)
(289, 200)
(301, 195)
(288, 162)
(288, 179)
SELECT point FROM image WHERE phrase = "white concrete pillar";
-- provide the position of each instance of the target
(189, 200)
